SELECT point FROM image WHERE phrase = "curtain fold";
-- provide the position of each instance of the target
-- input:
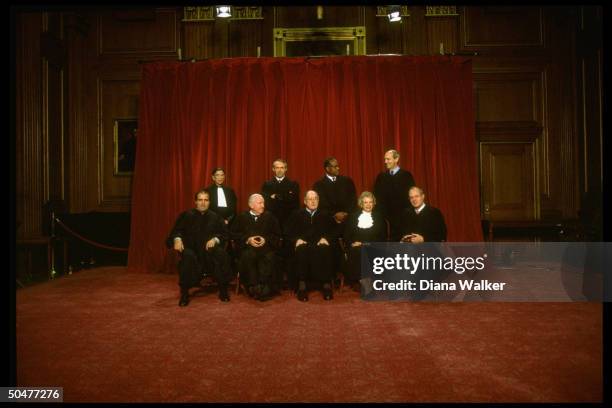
(243, 113)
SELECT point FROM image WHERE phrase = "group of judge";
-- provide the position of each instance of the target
(275, 236)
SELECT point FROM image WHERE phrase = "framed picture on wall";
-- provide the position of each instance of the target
(124, 142)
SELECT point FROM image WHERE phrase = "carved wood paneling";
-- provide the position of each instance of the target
(509, 97)
(307, 16)
(485, 27)
(198, 40)
(118, 100)
(80, 43)
(442, 30)
(508, 181)
(29, 170)
(143, 31)
(244, 37)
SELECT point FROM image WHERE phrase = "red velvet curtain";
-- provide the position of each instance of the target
(243, 113)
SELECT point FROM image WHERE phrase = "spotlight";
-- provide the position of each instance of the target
(393, 12)
(224, 11)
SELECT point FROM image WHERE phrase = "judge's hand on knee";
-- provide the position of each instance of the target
(417, 239)
(210, 244)
(356, 244)
(178, 245)
(300, 242)
(323, 241)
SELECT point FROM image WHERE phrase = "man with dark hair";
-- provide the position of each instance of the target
(310, 231)
(421, 223)
(199, 235)
(338, 197)
(337, 193)
(256, 233)
(222, 198)
(391, 191)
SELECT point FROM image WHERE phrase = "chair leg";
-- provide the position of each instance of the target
(341, 282)
(237, 283)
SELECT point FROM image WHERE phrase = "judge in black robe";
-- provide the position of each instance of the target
(256, 234)
(310, 231)
(200, 235)
(366, 225)
(391, 190)
(226, 210)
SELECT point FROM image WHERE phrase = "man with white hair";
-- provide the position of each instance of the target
(310, 232)
(256, 233)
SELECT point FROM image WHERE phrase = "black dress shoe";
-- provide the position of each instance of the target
(328, 294)
(184, 301)
(223, 295)
(302, 296)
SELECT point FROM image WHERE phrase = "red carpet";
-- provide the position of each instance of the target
(107, 335)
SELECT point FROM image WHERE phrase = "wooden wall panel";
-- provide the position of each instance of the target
(509, 97)
(244, 37)
(198, 40)
(53, 130)
(508, 181)
(81, 44)
(138, 32)
(118, 100)
(442, 30)
(29, 170)
(502, 26)
(333, 16)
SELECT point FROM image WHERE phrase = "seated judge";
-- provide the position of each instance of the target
(422, 222)
(200, 235)
(222, 198)
(256, 233)
(310, 231)
(365, 225)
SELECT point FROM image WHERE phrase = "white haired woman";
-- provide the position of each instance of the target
(364, 225)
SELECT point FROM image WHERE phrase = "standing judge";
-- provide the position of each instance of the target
(222, 198)
(391, 191)
(282, 198)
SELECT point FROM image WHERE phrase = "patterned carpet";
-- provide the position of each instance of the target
(108, 335)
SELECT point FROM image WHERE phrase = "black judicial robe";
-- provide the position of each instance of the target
(429, 223)
(391, 192)
(245, 226)
(287, 198)
(336, 196)
(376, 233)
(228, 212)
(196, 228)
(311, 229)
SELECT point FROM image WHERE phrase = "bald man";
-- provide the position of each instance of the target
(310, 232)
(256, 233)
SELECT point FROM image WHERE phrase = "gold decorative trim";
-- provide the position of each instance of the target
(440, 11)
(198, 14)
(382, 11)
(284, 35)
